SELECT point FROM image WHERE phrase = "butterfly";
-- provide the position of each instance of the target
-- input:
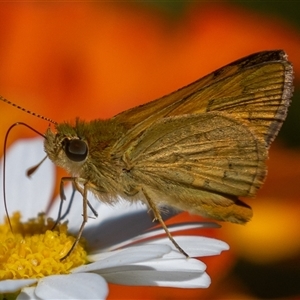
(197, 149)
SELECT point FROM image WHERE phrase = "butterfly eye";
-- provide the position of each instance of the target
(76, 150)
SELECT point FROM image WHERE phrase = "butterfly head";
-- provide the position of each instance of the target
(66, 148)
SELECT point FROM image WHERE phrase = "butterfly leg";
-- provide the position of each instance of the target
(83, 192)
(158, 217)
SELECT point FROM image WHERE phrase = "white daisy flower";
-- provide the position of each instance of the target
(118, 249)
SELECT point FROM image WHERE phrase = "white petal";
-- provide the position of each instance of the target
(28, 293)
(175, 265)
(72, 286)
(124, 257)
(10, 286)
(28, 195)
(159, 231)
(195, 246)
(181, 273)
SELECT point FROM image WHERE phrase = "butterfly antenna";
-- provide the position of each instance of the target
(27, 111)
(4, 160)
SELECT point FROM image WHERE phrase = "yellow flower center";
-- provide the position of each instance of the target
(34, 249)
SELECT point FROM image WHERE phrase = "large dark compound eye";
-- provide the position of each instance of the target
(76, 150)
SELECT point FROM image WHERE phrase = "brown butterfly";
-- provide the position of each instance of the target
(197, 149)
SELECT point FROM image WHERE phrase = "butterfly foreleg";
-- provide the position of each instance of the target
(85, 203)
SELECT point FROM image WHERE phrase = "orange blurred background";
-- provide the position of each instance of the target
(94, 59)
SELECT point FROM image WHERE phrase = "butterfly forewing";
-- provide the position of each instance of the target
(257, 89)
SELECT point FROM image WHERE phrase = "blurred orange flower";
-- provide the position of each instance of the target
(94, 60)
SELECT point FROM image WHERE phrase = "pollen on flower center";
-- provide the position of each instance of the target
(34, 250)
